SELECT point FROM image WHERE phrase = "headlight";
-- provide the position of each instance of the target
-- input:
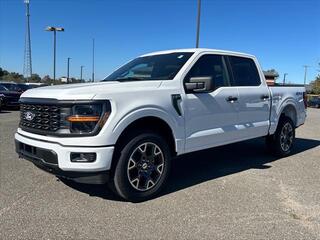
(88, 118)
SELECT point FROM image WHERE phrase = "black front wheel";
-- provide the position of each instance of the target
(142, 168)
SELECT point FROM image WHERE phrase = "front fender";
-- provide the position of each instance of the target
(176, 124)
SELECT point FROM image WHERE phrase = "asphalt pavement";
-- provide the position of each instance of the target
(237, 191)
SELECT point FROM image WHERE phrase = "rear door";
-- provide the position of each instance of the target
(254, 98)
(210, 118)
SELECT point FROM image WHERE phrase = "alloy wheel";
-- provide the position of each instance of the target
(145, 166)
(286, 137)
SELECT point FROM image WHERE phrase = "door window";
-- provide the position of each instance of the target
(245, 72)
(210, 66)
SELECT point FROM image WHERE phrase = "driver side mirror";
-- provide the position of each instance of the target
(199, 84)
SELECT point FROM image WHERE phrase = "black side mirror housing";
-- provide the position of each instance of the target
(199, 85)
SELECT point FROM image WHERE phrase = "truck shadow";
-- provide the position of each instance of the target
(195, 168)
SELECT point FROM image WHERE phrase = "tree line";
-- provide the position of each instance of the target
(315, 84)
(35, 78)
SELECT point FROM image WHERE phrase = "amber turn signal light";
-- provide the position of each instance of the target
(76, 118)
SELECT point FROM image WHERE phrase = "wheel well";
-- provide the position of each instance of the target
(290, 112)
(154, 124)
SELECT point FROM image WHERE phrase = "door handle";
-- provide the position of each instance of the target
(231, 99)
(264, 97)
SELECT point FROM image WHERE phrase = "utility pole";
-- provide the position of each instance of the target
(93, 60)
(27, 66)
(305, 74)
(284, 78)
(198, 23)
(68, 67)
(81, 67)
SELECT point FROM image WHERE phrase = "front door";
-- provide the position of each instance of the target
(210, 118)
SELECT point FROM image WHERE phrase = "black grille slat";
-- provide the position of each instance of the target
(46, 117)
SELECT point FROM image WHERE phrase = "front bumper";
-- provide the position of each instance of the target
(55, 158)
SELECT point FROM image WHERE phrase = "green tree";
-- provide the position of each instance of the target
(272, 72)
(35, 78)
(13, 77)
(3, 72)
(46, 79)
(315, 85)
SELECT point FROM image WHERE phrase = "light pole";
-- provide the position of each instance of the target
(54, 30)
(68, 67)
(198, 23)
(284, 78)
(81, 67)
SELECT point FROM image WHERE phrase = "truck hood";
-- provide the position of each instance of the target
(87, 91)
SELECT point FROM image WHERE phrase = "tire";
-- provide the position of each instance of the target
(282, 141)
(142, 168)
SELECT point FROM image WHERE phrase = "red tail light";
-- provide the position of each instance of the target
(305, 99)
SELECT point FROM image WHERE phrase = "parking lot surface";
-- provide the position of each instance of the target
(236, 191)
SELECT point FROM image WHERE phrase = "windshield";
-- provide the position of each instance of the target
(155, 67)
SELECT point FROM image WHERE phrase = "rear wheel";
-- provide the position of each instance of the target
(142, 168)
(281, 142)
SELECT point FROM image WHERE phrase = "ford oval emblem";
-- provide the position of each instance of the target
(29, 116)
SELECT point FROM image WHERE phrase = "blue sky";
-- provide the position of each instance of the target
(283, 34)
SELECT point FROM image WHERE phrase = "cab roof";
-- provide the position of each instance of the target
(199, 50)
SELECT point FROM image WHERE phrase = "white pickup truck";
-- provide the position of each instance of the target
(126, 129)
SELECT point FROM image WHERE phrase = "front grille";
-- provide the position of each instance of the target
(40, 117)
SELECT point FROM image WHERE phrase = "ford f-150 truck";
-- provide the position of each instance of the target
(126, 129)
